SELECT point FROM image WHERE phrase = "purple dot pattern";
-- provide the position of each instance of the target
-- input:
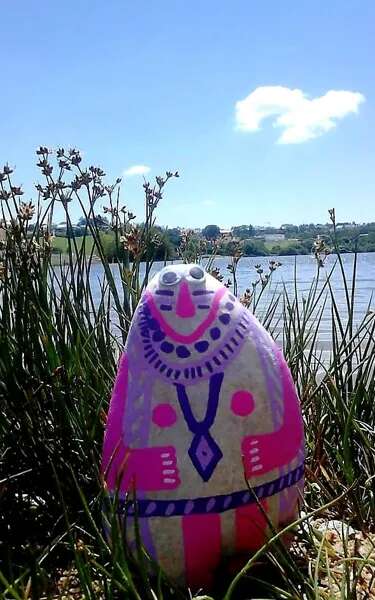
(182, 352)
(210, 355)
(225, 318)
(167, 347)
(215, 333)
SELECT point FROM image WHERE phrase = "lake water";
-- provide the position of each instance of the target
(306, 270)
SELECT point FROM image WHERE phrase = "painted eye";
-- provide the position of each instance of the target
(196, 273)
(169, 278)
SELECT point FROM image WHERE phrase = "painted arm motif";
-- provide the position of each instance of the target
(147, 469)
(264, 452)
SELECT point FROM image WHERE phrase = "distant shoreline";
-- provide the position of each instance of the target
(64, 257)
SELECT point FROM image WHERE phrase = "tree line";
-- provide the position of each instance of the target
(299, 239)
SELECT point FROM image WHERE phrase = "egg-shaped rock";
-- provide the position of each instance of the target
(204, 416)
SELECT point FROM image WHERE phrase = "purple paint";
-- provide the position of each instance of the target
(169, 356)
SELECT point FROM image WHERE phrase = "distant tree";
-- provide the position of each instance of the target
(81, 222)
(174, 236)
(162, 247)
(292, 250)
(243, 232)
(159, 247)
(289, 230)
(100, 220)
(254, 248)
(211, 232)
(225, 248)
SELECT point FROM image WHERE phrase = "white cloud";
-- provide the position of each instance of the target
(301, 118)
(208, 203)
(136, 170)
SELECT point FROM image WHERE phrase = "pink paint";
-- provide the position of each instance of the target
(185, 307)
(145, 469)
(153, 469)
(251, 527)
(242, 403)
(124, 467)
(164, 415)
(265, 452)
(199, 331)
(113, 432)
(202, 546)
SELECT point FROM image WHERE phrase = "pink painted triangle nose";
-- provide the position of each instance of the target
(184, 307)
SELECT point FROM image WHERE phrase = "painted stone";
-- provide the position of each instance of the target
(203, 403)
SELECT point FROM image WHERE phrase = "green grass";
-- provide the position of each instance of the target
(61, 243)
(58, 356)
(281, 243)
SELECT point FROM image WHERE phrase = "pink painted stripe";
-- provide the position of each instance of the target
(251, 527)
(198, 332)
(113, 432)
(202, 545)
(185, 307)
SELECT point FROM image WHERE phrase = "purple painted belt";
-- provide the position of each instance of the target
(209, 504)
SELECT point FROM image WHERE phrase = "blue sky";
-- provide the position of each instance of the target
(156, 83)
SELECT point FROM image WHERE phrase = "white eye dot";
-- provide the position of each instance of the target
(169, 277)
(196, 273)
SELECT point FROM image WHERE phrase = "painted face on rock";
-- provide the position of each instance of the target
(190, 324)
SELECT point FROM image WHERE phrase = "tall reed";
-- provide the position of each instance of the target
(59, 344)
